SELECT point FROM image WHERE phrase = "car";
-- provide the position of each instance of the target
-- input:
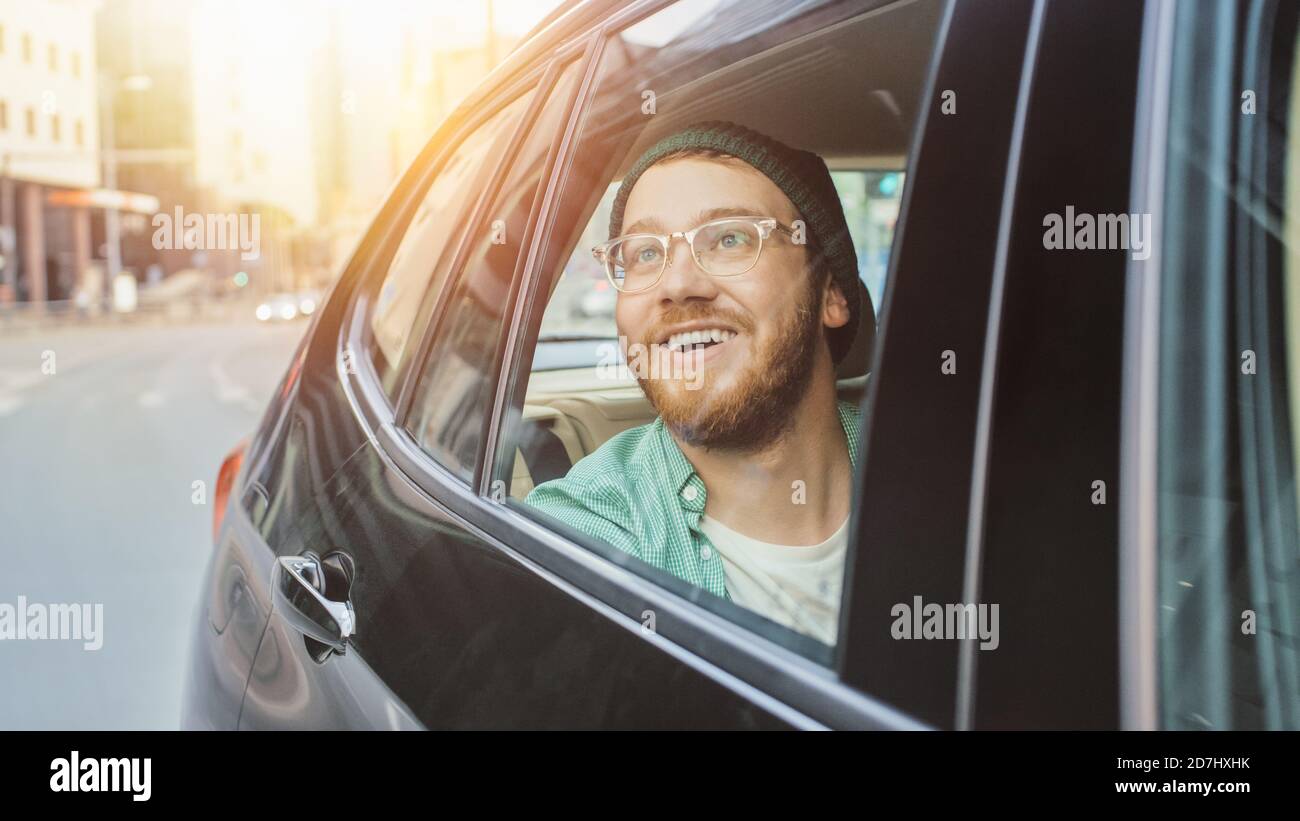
(1079, 394)
(280, 308)
(307, 301)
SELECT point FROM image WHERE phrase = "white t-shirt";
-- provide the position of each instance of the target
(798, 586)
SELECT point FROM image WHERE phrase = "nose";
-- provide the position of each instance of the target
(683, 279)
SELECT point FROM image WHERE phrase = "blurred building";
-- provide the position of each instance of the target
(146, 79)
(301, 112)
(49, 134)
(254, 129)
(385, 77)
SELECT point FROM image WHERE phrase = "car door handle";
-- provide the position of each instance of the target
(297, 592)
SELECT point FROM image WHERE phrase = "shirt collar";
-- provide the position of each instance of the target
(681, 473)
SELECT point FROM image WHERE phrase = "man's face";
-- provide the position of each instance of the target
(738, 393)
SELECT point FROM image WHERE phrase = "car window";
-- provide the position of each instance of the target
(583, 448)
(1228, 550)
(427, 247)
(456, 386)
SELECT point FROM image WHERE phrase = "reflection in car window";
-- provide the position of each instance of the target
(1228, 527)
(455, 390)
(424, 254)
(774, 303)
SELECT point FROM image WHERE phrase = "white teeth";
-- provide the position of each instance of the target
(688, 338)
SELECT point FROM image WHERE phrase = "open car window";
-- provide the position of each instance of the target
(844, 83)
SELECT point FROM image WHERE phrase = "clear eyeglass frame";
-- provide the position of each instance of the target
(765, 227)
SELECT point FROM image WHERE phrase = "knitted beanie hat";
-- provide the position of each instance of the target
(801, 175)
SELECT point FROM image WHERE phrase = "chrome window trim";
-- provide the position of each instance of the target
(525, 272)
(1139, 415)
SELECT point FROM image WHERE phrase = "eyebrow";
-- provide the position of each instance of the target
(652, 225)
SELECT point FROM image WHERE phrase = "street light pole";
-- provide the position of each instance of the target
(112, 219)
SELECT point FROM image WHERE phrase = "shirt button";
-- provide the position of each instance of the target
(689, 493)
(706, 553)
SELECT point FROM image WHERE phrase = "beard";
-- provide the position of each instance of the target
(756, 409)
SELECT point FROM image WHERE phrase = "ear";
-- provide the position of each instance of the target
(835, 308)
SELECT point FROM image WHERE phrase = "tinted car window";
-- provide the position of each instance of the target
(455, 389)
(845, 87)
(1229, 405)
(425, 252)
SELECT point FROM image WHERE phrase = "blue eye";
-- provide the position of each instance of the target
(733, 239)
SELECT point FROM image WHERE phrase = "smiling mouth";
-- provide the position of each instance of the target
(687, 341)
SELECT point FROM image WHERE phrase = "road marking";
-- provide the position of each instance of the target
(230, 392)
(151, 399)
(13, 382)
(18, 380)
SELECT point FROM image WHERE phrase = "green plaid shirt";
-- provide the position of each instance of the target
(640, 493)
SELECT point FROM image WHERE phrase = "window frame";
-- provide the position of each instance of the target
(372, 407)
(423, 173)
(1139, 403)
(1084, 548)
(789, 685)
(716, 644)
(906, 432)
(457, 280)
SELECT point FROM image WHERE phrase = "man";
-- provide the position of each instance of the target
(736, 272)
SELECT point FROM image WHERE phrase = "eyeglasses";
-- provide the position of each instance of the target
(724, 247)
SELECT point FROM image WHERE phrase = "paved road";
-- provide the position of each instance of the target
(97, 464)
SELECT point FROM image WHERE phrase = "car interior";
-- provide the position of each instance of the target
(865, 72)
